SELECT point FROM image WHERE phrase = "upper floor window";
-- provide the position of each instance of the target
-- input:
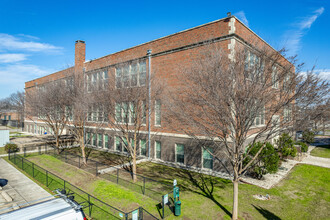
(131, 75)
(287, 113)
(97, 112)
(254, 67)
(97, 80)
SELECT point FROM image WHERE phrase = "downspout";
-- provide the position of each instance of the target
(86, 112)
(149, 101)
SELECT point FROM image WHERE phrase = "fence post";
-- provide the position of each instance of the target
(46, 150)
(24, 151)
(126, 216)
(117, 175)
(15, 158)
(163, 207)
(96, 168)
(64, 184)
(46, 178)
(66, 157)
(22, 164)
(33, 170)
(144, 185)
(39, 149)
(9, 154)
(89, 206)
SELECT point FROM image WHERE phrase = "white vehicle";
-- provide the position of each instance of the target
(56, 208)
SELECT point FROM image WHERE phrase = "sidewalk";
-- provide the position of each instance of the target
(19, 190)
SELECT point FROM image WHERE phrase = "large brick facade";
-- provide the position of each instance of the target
(169, 54)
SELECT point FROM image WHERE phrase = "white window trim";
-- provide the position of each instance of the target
(203, 161)
(184, 156)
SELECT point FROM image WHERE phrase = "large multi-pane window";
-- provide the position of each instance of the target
(158, 149)
(179, 153)
(254, 67)
(97, 113)
(69, 112)
(157, 112)
(106, 141)
(143, 147)
(97, 81)
(207, 158)
(88, 138)
(131, 75)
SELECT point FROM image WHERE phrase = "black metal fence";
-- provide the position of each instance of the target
(93, 207)
(121, 176)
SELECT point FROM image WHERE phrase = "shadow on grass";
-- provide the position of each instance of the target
(267, 214)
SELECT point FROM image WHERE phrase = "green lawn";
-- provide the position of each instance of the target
(2, 150)
(321, 151)
(304, 194)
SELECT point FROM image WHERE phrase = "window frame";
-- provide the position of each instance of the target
(176, 154)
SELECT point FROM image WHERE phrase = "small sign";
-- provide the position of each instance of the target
(121, 215)
(135, 215)
(166, 199)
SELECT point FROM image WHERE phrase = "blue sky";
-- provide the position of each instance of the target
(37, 36)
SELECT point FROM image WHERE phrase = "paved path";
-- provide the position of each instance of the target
(271, 180)
(19, 188)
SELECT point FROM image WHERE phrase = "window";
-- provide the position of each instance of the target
(157, 112)
(99, 140)
(260, 118)
(287, 113)
(131, 75)
(118, 144)
(207, 158)
(143, 149)
(125, 112)
(96, 112)
(144, 113)
(5, 117)
(158, 148)
(254, 67)
(94, 140)
(97, 80)
(106, 141)
(179, 153)
(9, 117)
(69, 112)
(286, 83)
(274, 77)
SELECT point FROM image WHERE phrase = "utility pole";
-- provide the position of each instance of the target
(149, 100)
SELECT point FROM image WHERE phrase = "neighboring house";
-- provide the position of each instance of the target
(168, 54)
(10, 118)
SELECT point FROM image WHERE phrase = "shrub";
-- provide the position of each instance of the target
(266, 162)
(11, 147)
(304, 146)
(285, 145)
(308, 136)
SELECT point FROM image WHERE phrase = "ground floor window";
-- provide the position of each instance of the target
(143, 146)
(118, 145)
(158, 149)
(207, 158)
(179, 153)
(106, 141)
(94, 139)
(99, 140)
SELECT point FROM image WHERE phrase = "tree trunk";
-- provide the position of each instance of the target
(58, 144)
(134, 169)
(235, 199)
(83, 154)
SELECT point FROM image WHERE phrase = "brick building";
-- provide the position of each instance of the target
(164, 53)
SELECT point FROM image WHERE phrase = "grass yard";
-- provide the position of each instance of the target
(321, 151)
(2, 150)
(304, 194)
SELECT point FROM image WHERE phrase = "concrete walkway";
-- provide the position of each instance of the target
(19, 190)
(271, 180)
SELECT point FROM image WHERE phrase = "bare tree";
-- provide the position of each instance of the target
(16, 101)
(51, 103)
(225, 102)
(126, 102)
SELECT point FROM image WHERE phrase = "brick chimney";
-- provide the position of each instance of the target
(80, 55)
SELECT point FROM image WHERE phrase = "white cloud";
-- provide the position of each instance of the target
(12, 57)
(10, 42)
(323, 73)
(292, 38)
(241, 16)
